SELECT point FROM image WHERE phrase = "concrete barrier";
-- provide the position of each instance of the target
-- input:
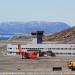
(57, 68)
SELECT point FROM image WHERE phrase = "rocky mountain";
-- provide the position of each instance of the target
(28, 27)
(66, 36)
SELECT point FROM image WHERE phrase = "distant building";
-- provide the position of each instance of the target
(38, 45)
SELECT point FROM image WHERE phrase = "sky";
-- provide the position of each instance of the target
(38, 10)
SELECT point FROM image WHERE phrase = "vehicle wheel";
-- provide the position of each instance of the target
(73, 69)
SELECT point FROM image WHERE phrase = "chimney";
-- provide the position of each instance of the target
(37, 37)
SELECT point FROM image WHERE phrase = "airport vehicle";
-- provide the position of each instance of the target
(71, 65)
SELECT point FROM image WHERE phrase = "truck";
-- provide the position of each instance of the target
(71, 65)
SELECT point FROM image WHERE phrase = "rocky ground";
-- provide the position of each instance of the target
(66, 36)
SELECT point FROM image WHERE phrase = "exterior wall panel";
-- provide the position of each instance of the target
(62, 49)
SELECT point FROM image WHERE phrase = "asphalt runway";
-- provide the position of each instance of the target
(14, 65)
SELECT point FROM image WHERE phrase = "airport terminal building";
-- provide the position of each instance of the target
(38, 45)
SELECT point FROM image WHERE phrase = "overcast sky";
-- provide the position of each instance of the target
(38, 10)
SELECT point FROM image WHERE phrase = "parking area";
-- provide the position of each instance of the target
(39, 66)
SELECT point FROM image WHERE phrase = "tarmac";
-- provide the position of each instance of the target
(14, 65)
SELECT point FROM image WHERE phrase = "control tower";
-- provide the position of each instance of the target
(37, 37)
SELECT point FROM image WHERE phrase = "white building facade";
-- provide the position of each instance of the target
(38, 45)
(58, 49)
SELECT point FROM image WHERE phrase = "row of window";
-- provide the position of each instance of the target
(28, 48)
(62, 48)
(48, 48)
(65, 53)
(55, 53)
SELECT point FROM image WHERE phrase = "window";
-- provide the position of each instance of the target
(65, 48)
(70, 48)
(40, 48)
(27, 48)
(73, 48)
(69, 53)
(65, 53)
(36, 48)
(61, 53)
(49, 48)
(62, 48)
(10, 52)
(53, 48)
(57, 53)
(57, 48)
(10, 48)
